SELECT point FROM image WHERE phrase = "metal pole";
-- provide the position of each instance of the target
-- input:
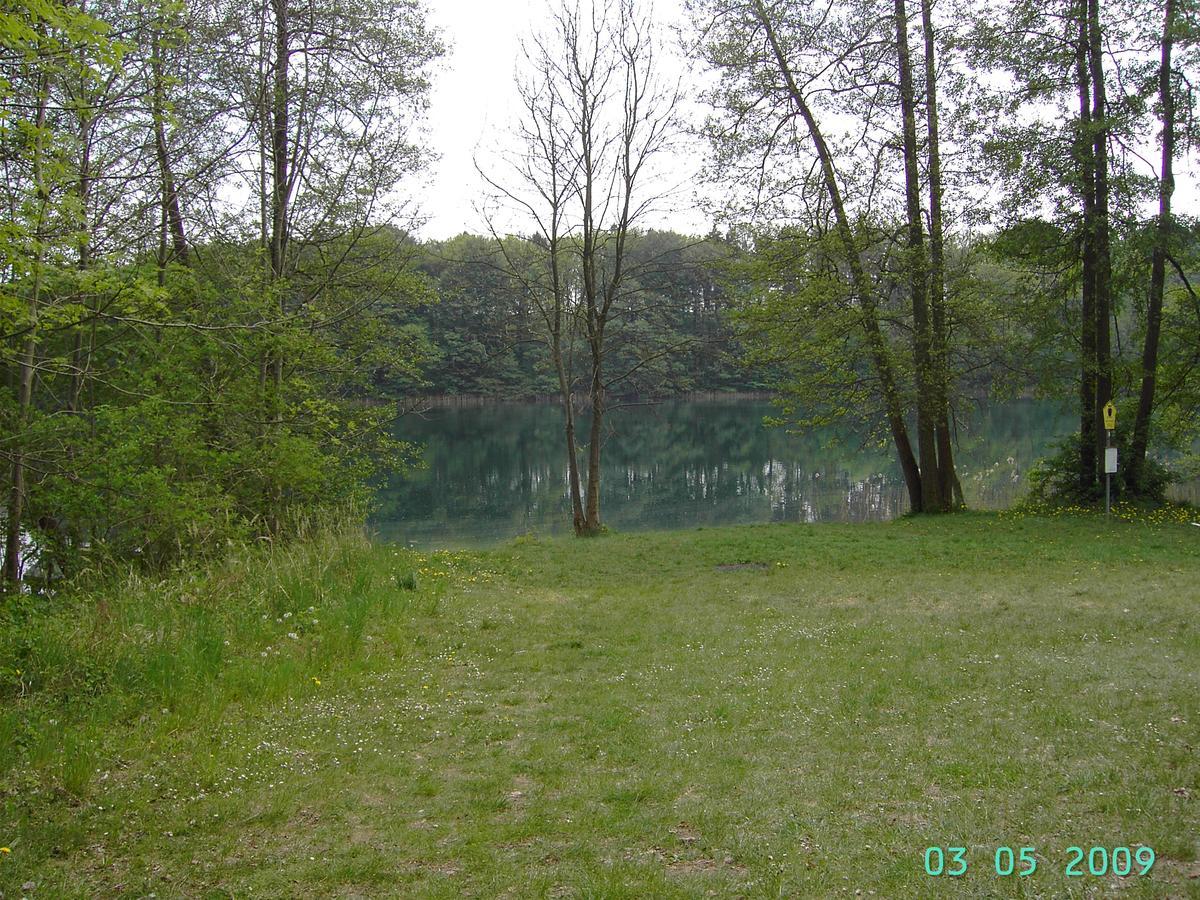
(1107, 477)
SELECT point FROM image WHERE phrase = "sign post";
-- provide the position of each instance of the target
(1110, 455)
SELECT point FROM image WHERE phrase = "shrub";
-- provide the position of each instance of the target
(1055, 479)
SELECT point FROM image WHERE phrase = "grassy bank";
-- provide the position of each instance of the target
(761, 711)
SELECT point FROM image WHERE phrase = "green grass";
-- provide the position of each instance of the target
(759, 711)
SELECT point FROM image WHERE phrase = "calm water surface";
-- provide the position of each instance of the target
(494, 472)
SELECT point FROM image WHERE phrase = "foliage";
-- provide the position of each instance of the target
(1055, 479)
(184, 366)
(806, 149)
(671, 328)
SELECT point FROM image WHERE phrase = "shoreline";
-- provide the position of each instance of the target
(454, 400)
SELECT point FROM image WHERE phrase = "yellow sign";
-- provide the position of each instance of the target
(1110, 416)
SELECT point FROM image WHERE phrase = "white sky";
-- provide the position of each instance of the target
(474, 102)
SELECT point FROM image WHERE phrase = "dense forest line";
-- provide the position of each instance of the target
(674, 332)
(476, 334)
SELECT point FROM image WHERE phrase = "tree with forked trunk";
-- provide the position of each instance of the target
(597, 117)
(787, 70)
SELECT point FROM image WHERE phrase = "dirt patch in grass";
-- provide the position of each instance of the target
(684, 864)
(447, 868)
(685, 834)
(519, 793)
(692, 866)
(703, 864)
(1175, 872)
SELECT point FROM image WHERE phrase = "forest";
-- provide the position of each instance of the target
(479, 333)
(214, 299)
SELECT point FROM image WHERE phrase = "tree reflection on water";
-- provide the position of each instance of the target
(497, 471)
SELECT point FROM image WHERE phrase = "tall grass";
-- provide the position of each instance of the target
(244, 627)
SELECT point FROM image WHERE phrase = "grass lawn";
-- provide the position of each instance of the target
(760, 711)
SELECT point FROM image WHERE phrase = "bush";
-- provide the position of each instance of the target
(1055, 478)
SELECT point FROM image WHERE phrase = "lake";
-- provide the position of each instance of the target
(496, 471)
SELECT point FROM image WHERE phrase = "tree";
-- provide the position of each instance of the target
(950, 489)
(597, 115)
(933, 499)
(198, 281)
(787, 70)
(1170, 85)
(43, 51)
(1083, 171)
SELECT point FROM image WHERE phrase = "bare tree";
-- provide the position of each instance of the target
(597, 115)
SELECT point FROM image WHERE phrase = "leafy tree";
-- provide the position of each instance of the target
(182, 367)
(787, 70)
(1081, 80)
(1179, 32)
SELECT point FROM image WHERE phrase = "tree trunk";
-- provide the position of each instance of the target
(279, 141)
(170, 194)
(265, 203)
(16, 496)
(589, 275)
(596, 393)
(1158, 266)
(859, 281)
(83, 192)
(932, 499)
(1085, 151)
(1100, 131)
(564, 386)
(949, 485)
(280, 195)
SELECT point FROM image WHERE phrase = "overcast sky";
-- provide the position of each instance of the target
(474, 102)
(473, 99)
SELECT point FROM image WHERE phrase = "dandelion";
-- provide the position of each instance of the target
(316, 681)
(5, 850)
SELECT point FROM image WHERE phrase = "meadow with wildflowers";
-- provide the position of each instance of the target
(754, 711)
